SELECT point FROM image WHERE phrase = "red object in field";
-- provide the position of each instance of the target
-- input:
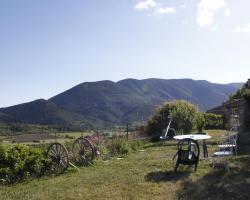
(94, 138)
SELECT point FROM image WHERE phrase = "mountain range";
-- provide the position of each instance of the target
(106, 103)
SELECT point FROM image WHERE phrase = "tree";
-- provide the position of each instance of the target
(246, 119)
(214, 121)
(183, 116)
(200, 121)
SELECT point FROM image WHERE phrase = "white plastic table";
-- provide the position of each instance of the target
(196, 137)
(192, 136)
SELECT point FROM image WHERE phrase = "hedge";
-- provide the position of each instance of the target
(19, 162)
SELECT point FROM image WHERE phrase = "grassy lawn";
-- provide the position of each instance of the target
(74, 134)
(146, 174)
(139, 176)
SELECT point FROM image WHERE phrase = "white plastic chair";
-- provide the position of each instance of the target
(228, 147)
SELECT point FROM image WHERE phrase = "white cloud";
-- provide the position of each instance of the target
(145, 4)
(245, 29)
(227, 13)
(166, 10)
(207, 10)
(155, 7)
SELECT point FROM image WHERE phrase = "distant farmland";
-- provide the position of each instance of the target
(31, 137)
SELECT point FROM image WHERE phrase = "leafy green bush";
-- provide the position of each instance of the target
(183, 116)
(123, 147)
(136, 145)
(120, 148)
(104, 150)
(244, 93)
(213, 121)
(200, 121)
(246, 119)
(19, 162)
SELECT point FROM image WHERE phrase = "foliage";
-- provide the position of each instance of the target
(200, 121)
(246, 120)
(120, 148)
(19, 162)
(213, 121)
(183, 116)
(244, 93)
(21, 128)
(237, 94)
(104, 151)
(136, 145)
(144, 175)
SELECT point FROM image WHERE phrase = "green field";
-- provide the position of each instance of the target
(61, 137)
(146, 174)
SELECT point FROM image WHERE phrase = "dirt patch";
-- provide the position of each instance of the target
(31, 137)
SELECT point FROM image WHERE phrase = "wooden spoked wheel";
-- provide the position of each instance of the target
(59, 157)
(83, 151)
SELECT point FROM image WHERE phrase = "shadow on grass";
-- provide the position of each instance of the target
(161, 144)
(220, 183)
(164, 176)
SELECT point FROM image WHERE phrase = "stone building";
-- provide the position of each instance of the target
(248, 84)
(233, 110)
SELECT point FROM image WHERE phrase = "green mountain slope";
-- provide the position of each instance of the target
(108, 103)
(39, 112)
(131, 100)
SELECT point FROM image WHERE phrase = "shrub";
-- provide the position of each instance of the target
(200, 121)
(182, 113)
(19, 162)
(213, 121)
(136, 145)
(104, 150)
(246, 117)
(244, 93)
(120, 148)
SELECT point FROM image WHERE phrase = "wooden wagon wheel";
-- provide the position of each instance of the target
(59, 156)
(83, 151)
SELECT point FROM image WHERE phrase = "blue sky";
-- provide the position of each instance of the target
(49, 46)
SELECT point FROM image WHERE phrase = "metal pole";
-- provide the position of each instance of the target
(127, 131)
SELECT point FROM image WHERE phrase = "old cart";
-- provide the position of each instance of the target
(84, 150)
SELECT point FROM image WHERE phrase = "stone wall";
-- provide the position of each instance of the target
(248, 84)
(233, 112)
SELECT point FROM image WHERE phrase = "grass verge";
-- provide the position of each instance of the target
(146, 174)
